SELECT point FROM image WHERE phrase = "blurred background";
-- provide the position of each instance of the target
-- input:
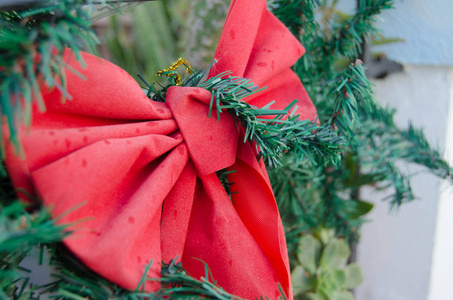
(152, 35)
(407, 253)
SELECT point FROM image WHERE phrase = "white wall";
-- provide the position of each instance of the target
(442, 265)
(408, 253)
(426, 26)
(396, 248)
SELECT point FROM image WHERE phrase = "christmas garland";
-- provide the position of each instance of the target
(32, 44)
(271, 137)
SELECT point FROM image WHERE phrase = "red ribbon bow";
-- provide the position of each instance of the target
(146, 170)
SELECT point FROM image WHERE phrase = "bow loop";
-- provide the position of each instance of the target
(145, 169)
(267, 48)
(212, 143)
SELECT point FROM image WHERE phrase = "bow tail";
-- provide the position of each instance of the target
(256, 206)
(218, 237)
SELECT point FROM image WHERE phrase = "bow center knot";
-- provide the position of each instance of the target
(212, 143)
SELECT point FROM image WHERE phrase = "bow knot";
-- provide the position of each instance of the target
(145, 169)
(212, 143)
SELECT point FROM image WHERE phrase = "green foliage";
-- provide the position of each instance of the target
(297, 14)
(32, 41)
(272, 137)
(153, 35)
(329, 36)
(276, 136)
(350, 91)
(350, 32)
(177, 284)
(324, 196)
(313, 189)
(322, 271)
(22, 232)
(144, 40)
(75, 281)
(383, 144)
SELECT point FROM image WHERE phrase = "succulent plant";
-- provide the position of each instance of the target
(323, 272)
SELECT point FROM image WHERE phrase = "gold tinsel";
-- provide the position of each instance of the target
(170, 72)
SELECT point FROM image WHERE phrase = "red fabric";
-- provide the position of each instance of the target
(145, 171)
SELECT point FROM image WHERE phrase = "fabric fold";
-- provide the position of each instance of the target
(139, 177)
(190, 108)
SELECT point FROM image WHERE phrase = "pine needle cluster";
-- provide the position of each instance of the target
(22, 232)
(325, 196)
(32, 40)
(272, 137)
(283, 133)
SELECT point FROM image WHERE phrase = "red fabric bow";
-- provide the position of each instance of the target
(145, 170)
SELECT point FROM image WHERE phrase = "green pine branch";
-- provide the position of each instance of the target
(178, 284)
(32, 41)
(277, 136)
(273, 137)
(409, 144)
(317, 196)
(301, 17)
(351, 91)
(331, 38)
(75, 281)
(310, 196)
(22, 231)
(298, 14)
(348, 34)
(384, 144)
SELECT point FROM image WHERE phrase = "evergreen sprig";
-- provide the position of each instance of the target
(301, 17)
(275, 136)
(348, 34)
(73, 280)
(21, 230)
(311, 196)
(332, 39)
(351, 92)
(32, 41)
(384, 145)
(410, 144)
(298, 15)
(177, 284)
